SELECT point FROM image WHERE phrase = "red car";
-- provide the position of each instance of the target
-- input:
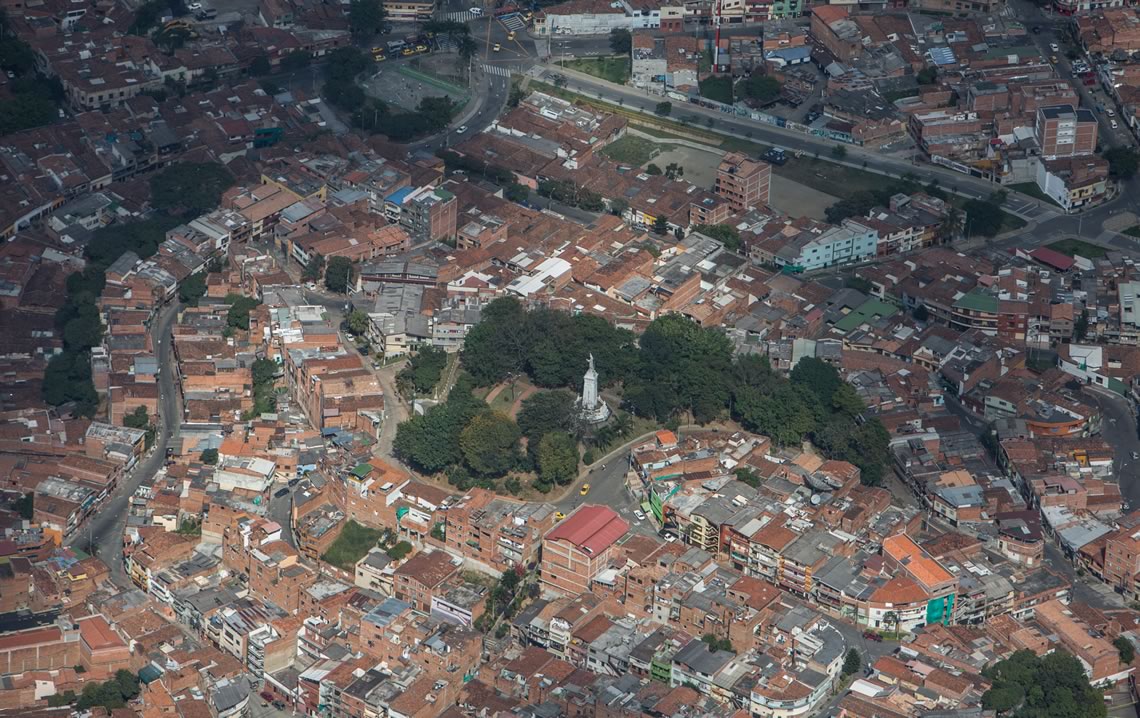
(872, 636)
(267, 695)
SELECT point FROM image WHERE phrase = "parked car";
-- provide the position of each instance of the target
(640, 516)
(1135, 455)
(1054, 47)
(872, 636)
(775, 156)
(280, 492)
(267, 695)
(559, 516)
(1113, 124)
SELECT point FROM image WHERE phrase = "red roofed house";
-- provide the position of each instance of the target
(578, 547)
(1053, 258)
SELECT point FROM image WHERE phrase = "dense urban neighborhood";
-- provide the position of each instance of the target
(599, 359)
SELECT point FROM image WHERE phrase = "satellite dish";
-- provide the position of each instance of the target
(816, 499)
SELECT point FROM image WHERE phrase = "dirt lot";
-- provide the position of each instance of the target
(797, 200)
(406, 82)
(700, 166)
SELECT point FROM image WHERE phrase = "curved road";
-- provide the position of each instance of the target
(105, 527)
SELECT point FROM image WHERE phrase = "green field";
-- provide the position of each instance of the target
(632, 150)
(1031, 189)
(612, 69)
(353, 543)
(1073, 247)
(1133, 231)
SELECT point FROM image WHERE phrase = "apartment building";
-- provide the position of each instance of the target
(421, 576)
(1063, 131)
(578, 547)
(497, 531)
(743, 182)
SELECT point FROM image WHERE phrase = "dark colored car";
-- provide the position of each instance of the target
(267, 695)
(281, 492)
(872, 636)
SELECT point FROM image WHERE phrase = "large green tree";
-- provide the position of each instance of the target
(192, 289)
(490, 443)
(365, 18)
(430, 442)
(338, 275)
(423, 371)
(1026, 685)
(189, 188)
(557, 459)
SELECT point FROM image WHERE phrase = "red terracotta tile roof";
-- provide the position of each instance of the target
(592, 529)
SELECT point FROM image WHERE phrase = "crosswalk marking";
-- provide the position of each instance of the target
(513, 21)
(498, 70)
(460, 16)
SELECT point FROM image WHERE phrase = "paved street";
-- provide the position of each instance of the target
(1118, 428)
(104, 529)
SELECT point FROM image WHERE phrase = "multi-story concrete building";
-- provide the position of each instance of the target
(497, 531)
(743, 182)
(1065, 132)
(579, 547)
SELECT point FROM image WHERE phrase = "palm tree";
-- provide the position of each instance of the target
(467, 49)
(950, 228)
(892, 619)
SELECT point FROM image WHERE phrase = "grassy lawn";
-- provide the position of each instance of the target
(632, 150)
(1133, 231)
(503, 400)
(613, 69)
(1073, 247)
(352, 544)
(1031, 189)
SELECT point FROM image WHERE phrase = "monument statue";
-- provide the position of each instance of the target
(591, 408)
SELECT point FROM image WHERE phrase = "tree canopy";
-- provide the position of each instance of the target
(677, 370)
(423, 372)
(1052, 686)
(490, 443)
(726, 234)
(338, 275)
(761, 88)
(240, 306)
(365, 18)
(557, 460)
(192, 289)
(189, 188)
(621, 41)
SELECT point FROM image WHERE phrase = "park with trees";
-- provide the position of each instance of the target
(675, 373)
(1026, 685)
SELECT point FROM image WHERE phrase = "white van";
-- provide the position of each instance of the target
(476, 11)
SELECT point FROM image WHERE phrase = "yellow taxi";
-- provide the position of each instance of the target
(584, 490)
(559, 516)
